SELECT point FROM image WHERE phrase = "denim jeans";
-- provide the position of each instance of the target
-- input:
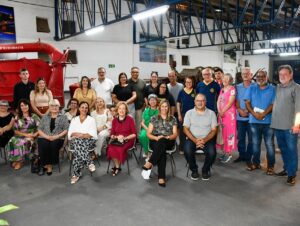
(287, 142)
(245, 151)
(260, 131)
(209, 151)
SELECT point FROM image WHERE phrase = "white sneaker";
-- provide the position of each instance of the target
(92, 168)
(146, 174)
(74, 180)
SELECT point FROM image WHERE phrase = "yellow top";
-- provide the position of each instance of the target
(88, 97)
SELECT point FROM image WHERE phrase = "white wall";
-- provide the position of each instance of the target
(256, 61)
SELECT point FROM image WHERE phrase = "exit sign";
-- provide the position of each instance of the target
(111, 66)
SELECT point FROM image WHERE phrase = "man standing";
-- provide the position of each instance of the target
(139, 87)
(200, 127)
(209, 88)
(174, 87)
(103, 86)
(243, 127)
(286, 107)
(219, 75)
(23, 88)
(259, 102)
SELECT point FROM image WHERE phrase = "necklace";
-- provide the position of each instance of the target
(85, 94)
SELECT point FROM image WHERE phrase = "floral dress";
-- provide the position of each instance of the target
(18, 146)
(228, 121)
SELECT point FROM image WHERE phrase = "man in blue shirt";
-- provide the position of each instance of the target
(209, 88)
(259, 102)
(243, 127)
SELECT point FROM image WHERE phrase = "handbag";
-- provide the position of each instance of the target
(220, 140)
(117, 142)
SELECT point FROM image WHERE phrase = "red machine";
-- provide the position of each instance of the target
(51, 71)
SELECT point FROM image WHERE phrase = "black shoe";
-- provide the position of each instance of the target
(162, 184)
(195, 175)
(49, 173)
(282, 173)
(42, 171)
(205, 175)
(239, 159)
(291, 180)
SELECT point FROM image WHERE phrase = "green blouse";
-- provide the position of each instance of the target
(147, 114)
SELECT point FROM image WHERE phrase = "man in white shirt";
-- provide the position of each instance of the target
(103, 86)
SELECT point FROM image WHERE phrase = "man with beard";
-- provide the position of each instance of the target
(259, 102)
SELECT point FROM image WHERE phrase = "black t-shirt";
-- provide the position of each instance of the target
(123, 93)
(150, 90)
(168, 98)
(21, 91)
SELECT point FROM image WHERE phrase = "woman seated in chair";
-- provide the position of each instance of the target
(22, 143)
(72, 109)
(123, 132)
(52, 131)
(147, 114)
(83, 136)
(6, 123)
(162, 132)
(103, 120)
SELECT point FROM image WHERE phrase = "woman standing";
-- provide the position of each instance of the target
(83, 135)
(124, 92)
(122, 130)
(147, 115)
(52, 130)
(163, 94)
(85, 93)
(227, 118)
(103, 120)
(40, 98)
(162, 132)
(185, 102)
(72, 109)
(152, 87)
(21, 144)
(6, 123)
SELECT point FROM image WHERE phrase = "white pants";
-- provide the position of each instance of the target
(101, 140)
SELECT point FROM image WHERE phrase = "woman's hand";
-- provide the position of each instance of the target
(159, 137)
(221, 114)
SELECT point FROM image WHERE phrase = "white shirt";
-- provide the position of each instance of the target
(104, 89)
(87, 126)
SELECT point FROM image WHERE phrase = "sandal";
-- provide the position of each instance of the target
(116, 171)
(74, 179)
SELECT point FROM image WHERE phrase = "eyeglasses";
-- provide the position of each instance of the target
(164, 87)
(200, 100)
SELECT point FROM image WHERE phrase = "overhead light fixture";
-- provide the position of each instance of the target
(177, 37)
(151, 12)
(288, 54)
(281, 40)
(94, 30)
(263, 50)
(218, 10)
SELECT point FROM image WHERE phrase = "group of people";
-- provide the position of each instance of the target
(209, 116)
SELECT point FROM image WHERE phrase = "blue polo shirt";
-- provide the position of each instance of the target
(186, 100)
(211, 92)
(240, 97)
(260, 98)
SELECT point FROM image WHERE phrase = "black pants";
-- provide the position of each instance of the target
(159, 156)
(49, 151)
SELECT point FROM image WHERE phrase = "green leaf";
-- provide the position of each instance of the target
(3, 222)
(8, 207)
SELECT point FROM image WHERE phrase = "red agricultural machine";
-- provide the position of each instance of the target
(51, 71)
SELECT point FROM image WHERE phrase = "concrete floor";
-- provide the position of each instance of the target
(232, 197)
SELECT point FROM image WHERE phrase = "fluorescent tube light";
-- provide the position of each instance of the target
(151, 12)
(94, 30)
(280, 40)
(288, 54)
(263, 50)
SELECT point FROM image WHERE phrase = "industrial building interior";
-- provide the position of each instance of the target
(188, 36)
